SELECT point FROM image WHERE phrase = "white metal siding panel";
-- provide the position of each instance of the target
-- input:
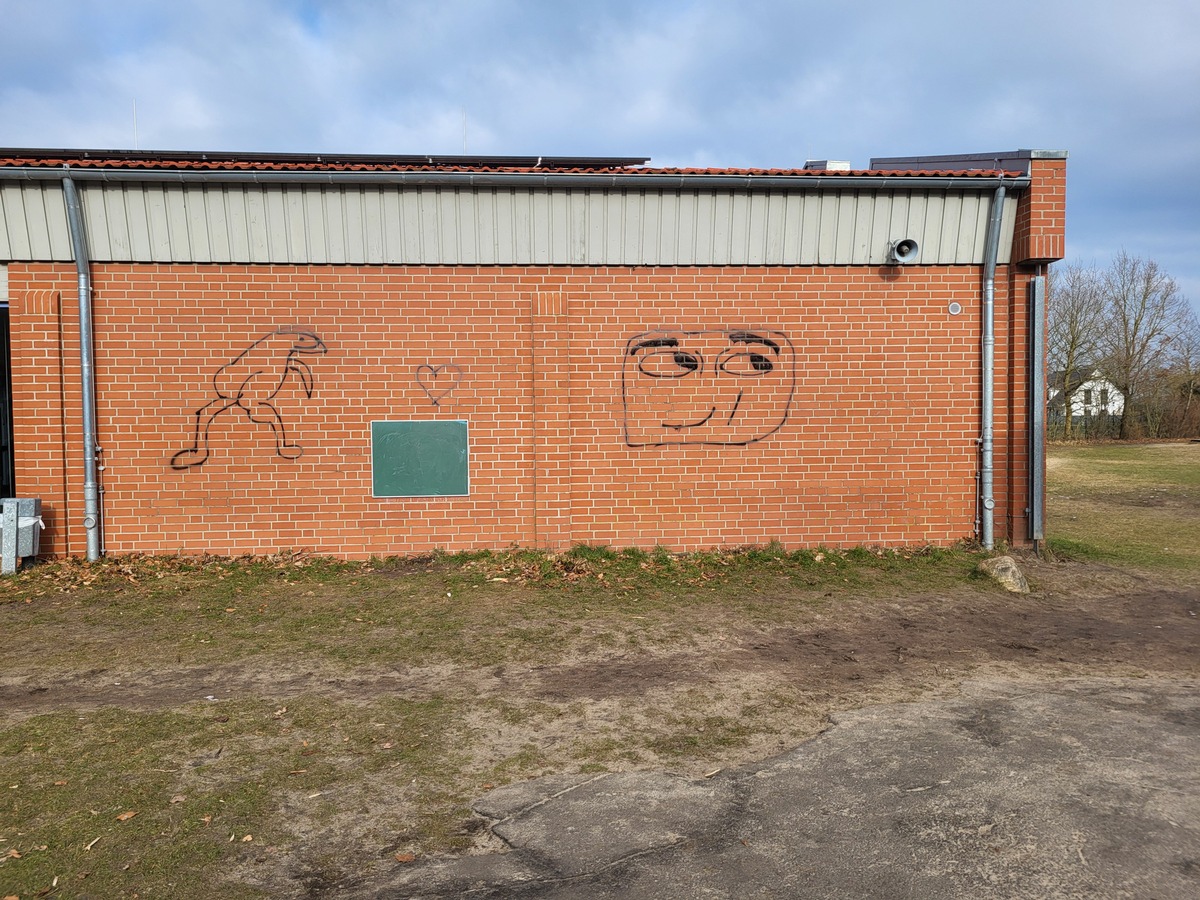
(485, 228)
(651, 233)
(217, 225)
(199, 221)
(294, 226)
(158, 230)
(137, 219)
(540, 215)
(740, 206)
(16, 241)
(237, 218)
(864, 219)
(952, 207)
(95, 222)
(931, 220)
(112, 210)
(1008, 227)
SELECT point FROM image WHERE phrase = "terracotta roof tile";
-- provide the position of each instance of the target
(174, 161)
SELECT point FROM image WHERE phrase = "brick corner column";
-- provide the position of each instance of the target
(550, 360)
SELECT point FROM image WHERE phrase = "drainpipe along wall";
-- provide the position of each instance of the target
(91, 484)
(987, 500)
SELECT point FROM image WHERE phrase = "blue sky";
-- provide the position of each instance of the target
(686, 82)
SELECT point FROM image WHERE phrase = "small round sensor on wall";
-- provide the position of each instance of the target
(955, 308)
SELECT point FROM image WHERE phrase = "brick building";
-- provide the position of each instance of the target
(364, 355)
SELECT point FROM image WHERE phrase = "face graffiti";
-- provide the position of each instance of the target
(706, 387)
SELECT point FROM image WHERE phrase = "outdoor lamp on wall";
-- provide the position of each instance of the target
(902, 251)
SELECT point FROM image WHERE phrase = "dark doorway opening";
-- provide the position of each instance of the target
(7, 487)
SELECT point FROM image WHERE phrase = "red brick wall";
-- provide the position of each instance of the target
(879, 444)
(1040, 232)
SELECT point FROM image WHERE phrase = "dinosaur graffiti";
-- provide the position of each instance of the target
(250, 381)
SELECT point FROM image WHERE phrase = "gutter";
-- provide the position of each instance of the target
(556, 180)
(91, 485)
(987, 501)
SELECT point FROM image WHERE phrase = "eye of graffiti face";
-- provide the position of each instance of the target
(706, 387)
(745, 364)
(662, 358)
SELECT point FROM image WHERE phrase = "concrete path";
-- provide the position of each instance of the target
(1072, 790)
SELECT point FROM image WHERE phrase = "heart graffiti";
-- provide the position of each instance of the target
(438, 381)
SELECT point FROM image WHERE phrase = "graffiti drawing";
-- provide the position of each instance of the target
(250, 381)
(706, 387)
(438, 381)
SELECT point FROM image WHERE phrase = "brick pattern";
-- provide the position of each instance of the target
(879, 446)
(1042, 214)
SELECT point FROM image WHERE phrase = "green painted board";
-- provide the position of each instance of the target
(419, 459)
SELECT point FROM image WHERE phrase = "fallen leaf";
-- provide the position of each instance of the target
(247, 839)
(178, 798)
(387, 746)
(126, 816)
(405, 857)
(12, 854)
(207, 820)
(279, 712)
(59, 783)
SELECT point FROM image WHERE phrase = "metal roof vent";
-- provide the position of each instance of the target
(828, 165)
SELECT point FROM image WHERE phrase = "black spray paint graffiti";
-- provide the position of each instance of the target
(438, 381)
(706, 387)
(251, 381)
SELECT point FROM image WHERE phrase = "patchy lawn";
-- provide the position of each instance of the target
(288, 727)
(1130, 504)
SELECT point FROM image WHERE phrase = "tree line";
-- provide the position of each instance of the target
(1129, 323)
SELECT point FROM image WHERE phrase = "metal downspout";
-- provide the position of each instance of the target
(91, 485)
(987, 440)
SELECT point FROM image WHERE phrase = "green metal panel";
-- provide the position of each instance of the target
(419, 459)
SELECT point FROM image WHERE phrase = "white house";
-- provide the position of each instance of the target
(1093, 397)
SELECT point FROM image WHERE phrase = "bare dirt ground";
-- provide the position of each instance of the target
(1080, 619)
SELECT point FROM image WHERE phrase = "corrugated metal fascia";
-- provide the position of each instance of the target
(364, 224)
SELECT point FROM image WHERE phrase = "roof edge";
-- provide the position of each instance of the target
(328, 159)
(1009, 159)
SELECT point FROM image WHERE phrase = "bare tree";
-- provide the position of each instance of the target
(1144, 313)
(1075, 318)
(1186, 373)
